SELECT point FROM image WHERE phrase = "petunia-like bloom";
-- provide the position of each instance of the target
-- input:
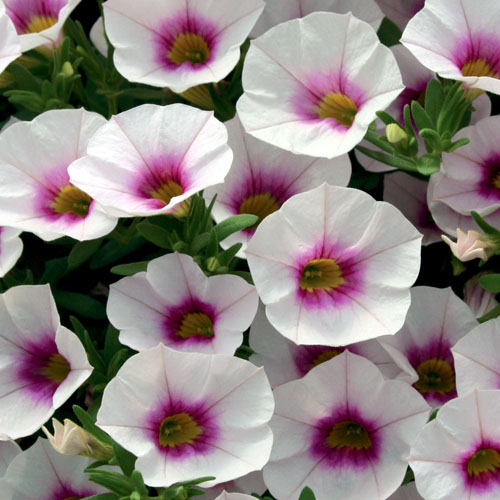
(238, 489)
(480, 301)
(98, 38)
(285, 361)
(477, 358)
(277, 12)
(9, 43)
(39, 22)
(178, 43)
(11, 248)
(176, 304)
(400, 11)
(457, 455)
(233, 496)
(36, 194)
(263, 177)
(132, 170)
(334, 267)
(8, 451)
(458, 40)
(312, 85)
(410, 195)
(350, 437)
(42, 473)
(436, 320)
(41, 362)
(189, 415)
(407, 492)
(469, 246)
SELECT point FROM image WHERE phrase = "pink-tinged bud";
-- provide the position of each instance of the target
(469, 246)
(480, 301)
(71, 439)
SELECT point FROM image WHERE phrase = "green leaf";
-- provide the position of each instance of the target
(234, 224)
(484, 225)
(103, 496)
(130, 269)
(111, 480)
(81, 304)
(457, 144)
(393, 161)
(386, 117)
(113, 251)
(228, 255)
(379, 141)
(428, 164)
(494, 313)
(25, 80)
(213, 244)
(490, 282)
(82, 252)
(125, 459)
(388, 33)
(78, 328)
(434, 99)
(155, 234)
(420, 116)
(54, 270)
(88, 424)
(307, 494)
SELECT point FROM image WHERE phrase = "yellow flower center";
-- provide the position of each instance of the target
(435, 375)
(339, 107)
(168, 190)
(324, 356)
(177, 429)
(260, 205)
(40, 23)
(483, 461)
(70, 199)
(189, 47)
(321, 274)
(477, 67)
(195, 324)
(57, 368)
(349, 434)
(72, 498)
(496, 181)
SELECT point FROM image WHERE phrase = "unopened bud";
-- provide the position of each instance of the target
(469, 246)
(67, 70)
(396, 135)
(71, 439)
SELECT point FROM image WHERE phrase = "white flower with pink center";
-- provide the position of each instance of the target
(189, 415)
(312, 85)
(36, 194)
(409, 194)
(477, 358)
(479, 300)
(42, 362)
(177, 43)
(9, 43)
(132, 170)
(335, 256)
(263, 177)
(277, 12)
(176, 304)
(42, 473)
(39, 22)
(407, 492)
(436, 320)
(400, 11)
(458, 40)
(11, 248)
(350, 437)
(236, 489)
(8, 451)
(285, 361)
(457, 455)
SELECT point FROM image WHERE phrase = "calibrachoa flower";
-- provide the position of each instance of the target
(457, 455)
(11, 248)
(410, 195)
(350, 437)
(469, 246)
(36, 193)
(407, 492)
(98, 37)
(176, 304)
(189, 415)
(277, 11)
(477, 358)
(9, 43)
(458, 40)
(313, 85)
(178, 43)
(436, 320)
(348, 261)
(8, 450)
(477, 298)
(400, 11)
(132, 171)
(285, 361)
(42, 473)
(39, 22)
(263, 177)
(251, 483)
(42, 363)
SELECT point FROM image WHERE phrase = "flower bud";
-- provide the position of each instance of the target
(396, 135)
(469, 246)
(67, 70)
(71, 439)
